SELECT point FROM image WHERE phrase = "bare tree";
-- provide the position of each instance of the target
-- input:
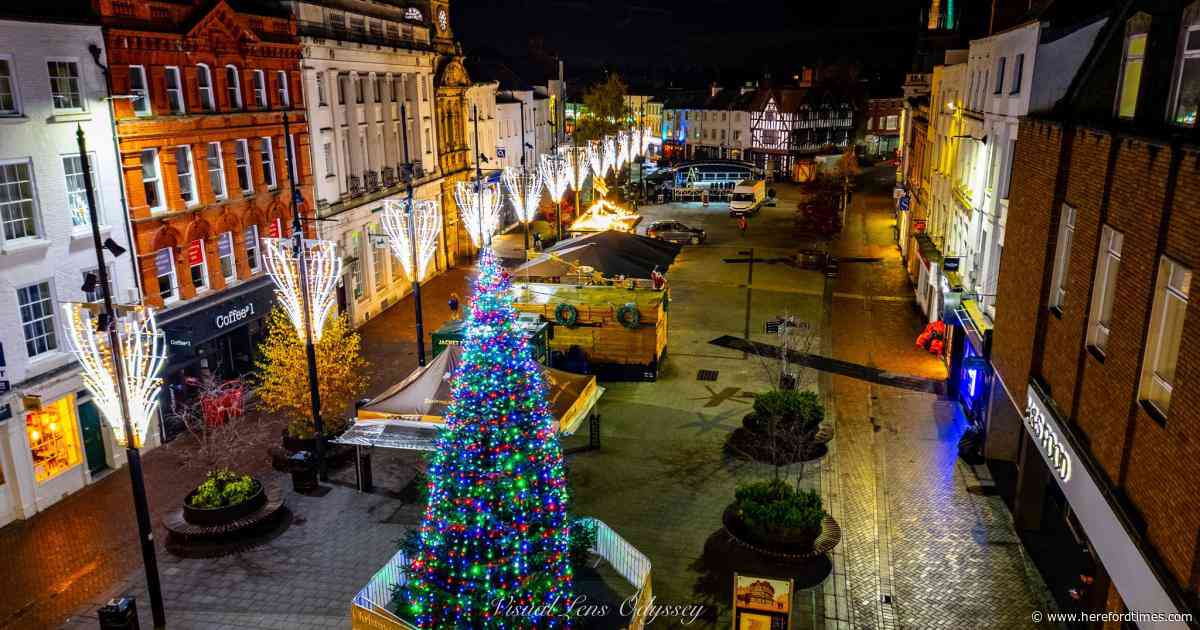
(216, 418)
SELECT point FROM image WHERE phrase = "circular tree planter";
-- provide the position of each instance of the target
(209, 517)
(788, 547)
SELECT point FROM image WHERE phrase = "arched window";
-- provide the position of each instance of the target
(233, 87)
(204, 86)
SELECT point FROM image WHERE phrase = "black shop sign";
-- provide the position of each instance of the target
(237, 308)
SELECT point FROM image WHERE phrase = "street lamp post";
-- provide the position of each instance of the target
(302, 263)
(479, 175)
(132, 453)
(416, 284)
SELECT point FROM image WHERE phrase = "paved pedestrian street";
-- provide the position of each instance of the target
(925, 544)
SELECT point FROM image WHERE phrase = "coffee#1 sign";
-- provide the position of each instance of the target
(1049, 442)
(233, 316)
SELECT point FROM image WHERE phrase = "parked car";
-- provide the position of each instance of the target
(676, 232)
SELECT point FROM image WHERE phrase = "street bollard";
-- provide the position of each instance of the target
(119, 614)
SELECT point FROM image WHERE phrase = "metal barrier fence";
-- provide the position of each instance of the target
(698, 194)
(370, 612)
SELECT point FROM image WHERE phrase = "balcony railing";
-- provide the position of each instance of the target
(320, 30)
(355, 185)
(389, 177)
(372, 180)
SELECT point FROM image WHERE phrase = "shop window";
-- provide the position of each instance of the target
(198, 264)
(1104, 293)
(1062, 256)
(252, 248)
(164, 269)
(53, 438)
(225, 255)
(1165, 333)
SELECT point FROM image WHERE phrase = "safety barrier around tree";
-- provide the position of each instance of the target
(369, 610)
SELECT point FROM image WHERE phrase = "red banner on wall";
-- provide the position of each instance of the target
(274, 229)
(196, 253)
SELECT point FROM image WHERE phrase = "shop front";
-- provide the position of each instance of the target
(1076, 533)
(218, 336)
(53, 442)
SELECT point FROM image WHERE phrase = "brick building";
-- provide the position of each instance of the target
(200, 93)
(883, 127)
(1096, 402)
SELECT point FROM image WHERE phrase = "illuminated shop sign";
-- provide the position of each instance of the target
(1043, 434)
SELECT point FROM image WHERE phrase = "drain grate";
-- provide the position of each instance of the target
(706, 375)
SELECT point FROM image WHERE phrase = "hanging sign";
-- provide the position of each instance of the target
(918, 225)
(904, 203)
(761, 603)
(195, 253)
(500, 152)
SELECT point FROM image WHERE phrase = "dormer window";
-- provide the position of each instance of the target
(1133, 57)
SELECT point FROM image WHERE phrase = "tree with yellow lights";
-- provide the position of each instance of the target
(283, 374)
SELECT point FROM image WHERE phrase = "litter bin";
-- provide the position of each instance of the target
(119, 614)
(304, 471)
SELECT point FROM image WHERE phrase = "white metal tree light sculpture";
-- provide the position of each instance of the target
(480, 212)
(323, 268)
(576, 159)
(427, 224)
(524, 191)
(143, 353)
(556, 173)
(595, 154)
(622, 150)
(610, 153)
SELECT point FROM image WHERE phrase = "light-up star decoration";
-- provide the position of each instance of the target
(524, 191)
(556, 175)
(480, 212)
(143, 352)
(323, 268)
(426, 225)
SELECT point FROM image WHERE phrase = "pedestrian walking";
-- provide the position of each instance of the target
(453, 306)
(742, 224)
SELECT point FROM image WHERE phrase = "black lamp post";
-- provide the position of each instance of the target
(409, 173)
(132, 453)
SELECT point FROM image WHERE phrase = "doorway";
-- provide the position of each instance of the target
(93, 437)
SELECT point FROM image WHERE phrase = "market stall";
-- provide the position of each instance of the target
(614, 255)
(615, 332)
(605, 215)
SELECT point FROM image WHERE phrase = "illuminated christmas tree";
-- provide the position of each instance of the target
(494, 540)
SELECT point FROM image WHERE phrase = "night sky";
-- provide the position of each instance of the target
(694, 41)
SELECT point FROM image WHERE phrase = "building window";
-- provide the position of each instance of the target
(321, 89)
(281, 80)
(174, 90)
(251, 237)
(233, 87)
(378, 89)
(1187, 90)
(1165, 333)
(164, 269)
(268, 162)
(360, 254)
(8, 89)
(358, 89)
(76, 192)
(260, 89)
(397, 89)
(1017, 74)
(1062, 256)
(1104, 292)
(1000, 75)
(37, 318)
(342, 88)
(204, 86)
(893, 122)
(137, 87)
(17, 201)
(225, 256)
(198, 264)
(1131, 75)
(185, 176)
(53, 442)
(330, 162)
(241, 161)
(151, 181)
(379, 256)
(216, 170)
(358, 27)
(65, 91)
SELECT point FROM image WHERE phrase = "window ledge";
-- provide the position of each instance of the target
(13, 119)
(12, 247)
(1153, 411)
(81, 232)
(1096, 353)
(66, 117)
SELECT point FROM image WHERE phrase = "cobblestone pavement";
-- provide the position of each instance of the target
(74, 553)
(924, 546)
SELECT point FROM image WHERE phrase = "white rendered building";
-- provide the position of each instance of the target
(363, 65)
(52, 438)
(481, 99)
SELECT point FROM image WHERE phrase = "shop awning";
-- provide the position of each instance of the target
(409, 414)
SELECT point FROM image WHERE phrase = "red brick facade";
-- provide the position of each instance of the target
(1150, 192)
(160, 37)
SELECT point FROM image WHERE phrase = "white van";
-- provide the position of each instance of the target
(748, 196)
